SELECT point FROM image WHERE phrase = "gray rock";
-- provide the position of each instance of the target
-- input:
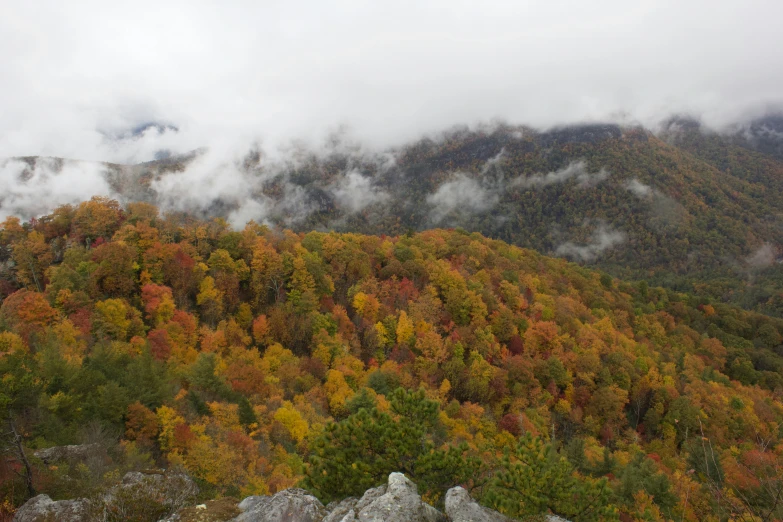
(71, 454)
(290, 505)
(342, 511)
(173, 490)
(347, 509)
(44, 509)
(176, 488)
(170, 490)
(369, 497)
(250, 502)
(461, 508)
(133, 478)
(399, 503)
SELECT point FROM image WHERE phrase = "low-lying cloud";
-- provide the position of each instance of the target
(638, 188)
(665, 211)
(355, 192)
(762, 257)
(213, 176)
(463, 194)
(31, 190)
(603, 238)
(576, 170)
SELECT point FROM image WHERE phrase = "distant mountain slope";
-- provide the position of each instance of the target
(763, 135)
(689, 210)
(620, 199)
(749, 154)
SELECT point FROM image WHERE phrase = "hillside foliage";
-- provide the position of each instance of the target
(693, 212)
(260, 359)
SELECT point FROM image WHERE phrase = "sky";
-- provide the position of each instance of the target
(77, 77)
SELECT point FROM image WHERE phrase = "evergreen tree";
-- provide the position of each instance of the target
(360, 451)
(535, 479)
(18, 394)
(641, 475)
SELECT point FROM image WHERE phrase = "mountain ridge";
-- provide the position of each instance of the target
(639, 205)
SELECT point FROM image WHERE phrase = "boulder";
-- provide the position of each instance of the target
(369, 497)
(461, 508)
(346, 510)
(396, 501)
(44, 509)
(290, 505)
(250, 502)
(174, 488)
(71, 454)
(400, 502)
(141, 495)
(342, 511)
(138, 478)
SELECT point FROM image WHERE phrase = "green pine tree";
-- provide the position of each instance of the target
(534, 480)
(360, 451)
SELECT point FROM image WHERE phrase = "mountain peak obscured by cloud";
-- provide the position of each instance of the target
(182, 75)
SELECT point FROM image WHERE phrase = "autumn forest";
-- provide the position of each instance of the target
(261, 359)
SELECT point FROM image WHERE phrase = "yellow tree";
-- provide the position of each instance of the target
(301, 287)
(337, 392)
(32, 257)
(266, 272)
(210, 299)
(404, 330)
(115, 319)
(168, 420)
(292, 420)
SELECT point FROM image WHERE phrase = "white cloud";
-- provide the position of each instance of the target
(355, 192)
(226, 76)
(493, 162)
(205, 180)
(249, 210)
(603, 238)
(638, 188)
(29, 191)
(575, 170)
(76, 72)
(463, 194)
(762, 257)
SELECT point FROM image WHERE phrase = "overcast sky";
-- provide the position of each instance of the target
(224, 72)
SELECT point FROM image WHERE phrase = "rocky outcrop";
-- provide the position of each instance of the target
(138, 495)
(174, 489)
(71, 454)
(141, 495)
(461, 508)
(399, 503)
(290, 505)
(396, 501)
(347, 509)
(44, 509)
(338, 511)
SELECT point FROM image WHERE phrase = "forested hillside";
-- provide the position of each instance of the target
(688, 209)
(619, 199)
(261, 358)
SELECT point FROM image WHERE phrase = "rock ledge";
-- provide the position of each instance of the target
(396, 501)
